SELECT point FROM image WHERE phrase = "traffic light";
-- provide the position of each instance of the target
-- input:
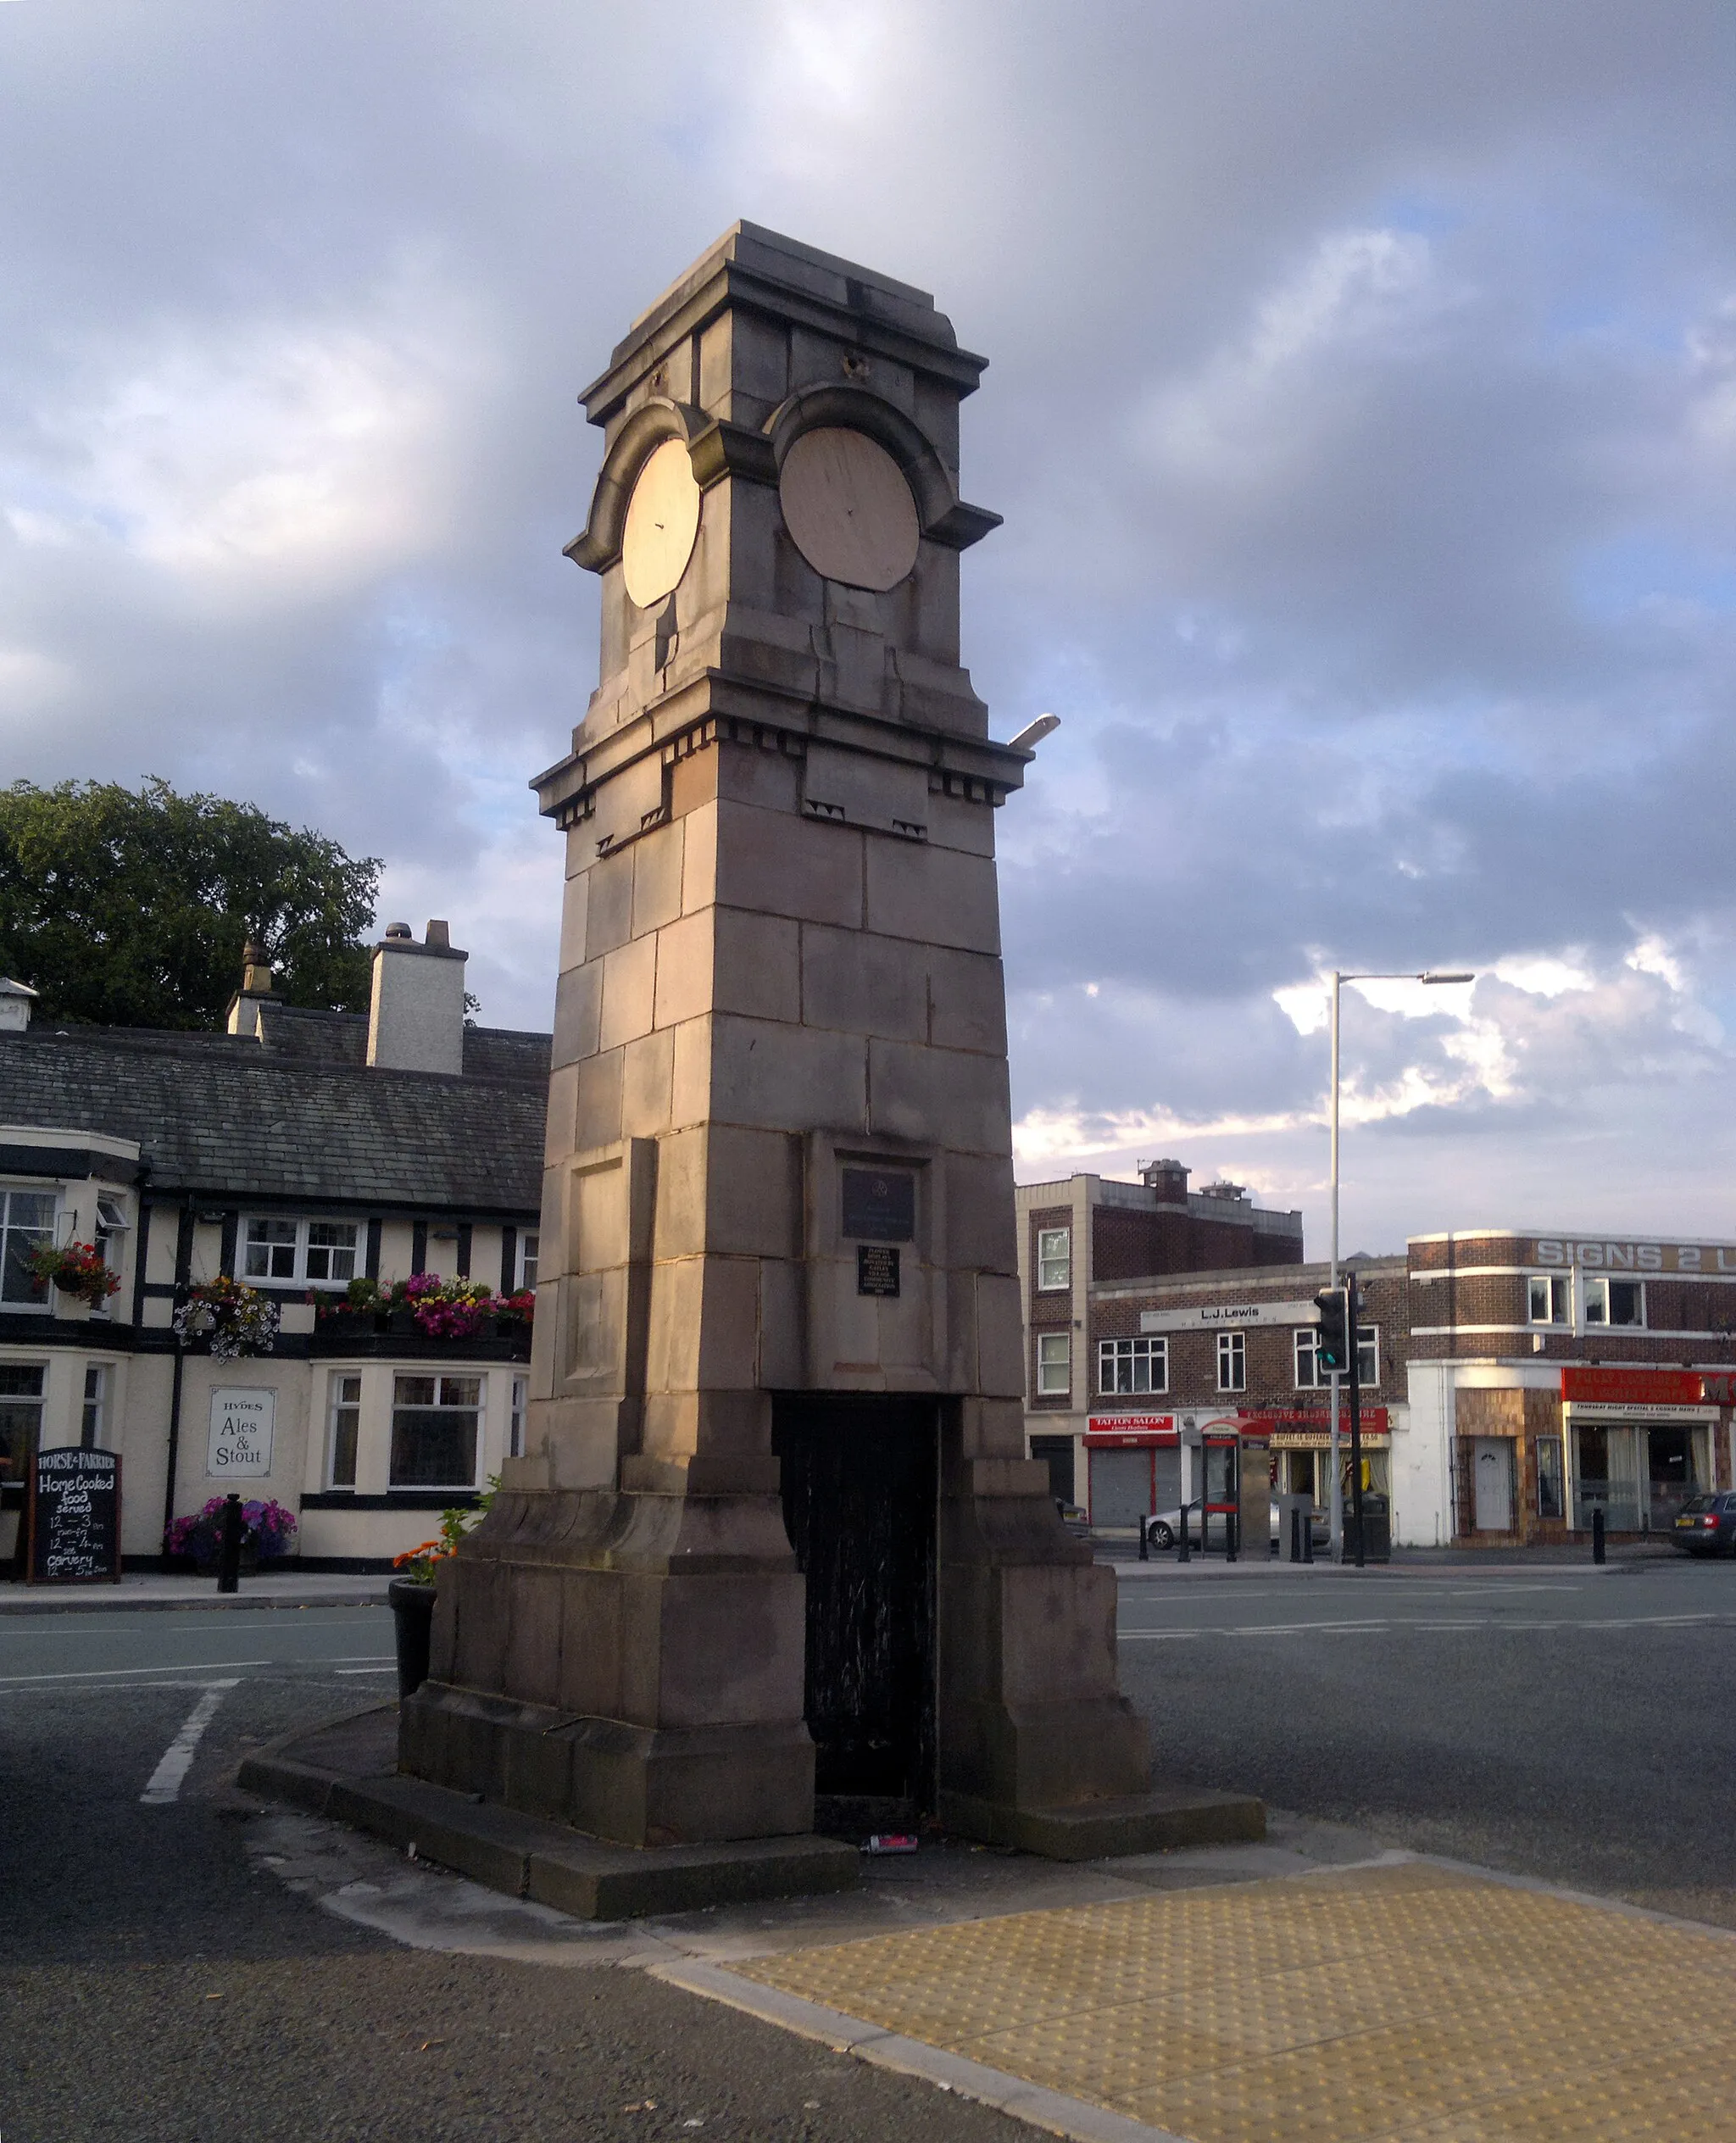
(1332, 1343)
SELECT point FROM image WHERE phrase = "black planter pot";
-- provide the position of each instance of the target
(413, 1614)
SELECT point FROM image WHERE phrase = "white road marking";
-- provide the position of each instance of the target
(1483, 1621)
(164, 1783)
(365, 1670)
(344, 1659)
(112, 1673)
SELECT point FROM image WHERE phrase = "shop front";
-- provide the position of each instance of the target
(1134, 1467)
(1301, 1448)
(1639, 1443)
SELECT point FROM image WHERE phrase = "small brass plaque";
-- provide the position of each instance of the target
(876, 1268)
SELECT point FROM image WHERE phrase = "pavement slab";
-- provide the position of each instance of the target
(1403, 1999)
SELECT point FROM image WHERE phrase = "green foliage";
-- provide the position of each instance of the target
(132, 909)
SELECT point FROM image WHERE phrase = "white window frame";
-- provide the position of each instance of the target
(299, 1251)
(1595, 1297)
(516, 1416)
(1114, 1354)
(1055, 1365)
(1307, 1359)
(1232, 1361)
(1557, 1296)
(93, 1406)
(440, 1379)
(523, 1261)
(1051, 1260)
(340, 1400)
(34, 1303)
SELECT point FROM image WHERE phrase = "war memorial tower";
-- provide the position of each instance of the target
(774, 1532)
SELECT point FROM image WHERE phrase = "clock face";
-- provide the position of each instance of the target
(662, 525)
(848, 508)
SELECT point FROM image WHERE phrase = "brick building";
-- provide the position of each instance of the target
(1514, 1382)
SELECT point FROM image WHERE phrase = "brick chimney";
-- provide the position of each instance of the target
(243, 1016)
(416, 1020)
(1168, 1178)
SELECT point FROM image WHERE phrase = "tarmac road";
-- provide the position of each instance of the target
(1566, 1722)
(155, 1988)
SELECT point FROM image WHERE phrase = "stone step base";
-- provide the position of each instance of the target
(336, 1771)
(1147, 1823)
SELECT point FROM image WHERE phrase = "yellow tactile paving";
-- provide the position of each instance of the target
(1371, 2004)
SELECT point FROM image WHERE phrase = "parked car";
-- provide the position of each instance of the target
(1072, 1517)
(1705, 1525)
(1163, 1529)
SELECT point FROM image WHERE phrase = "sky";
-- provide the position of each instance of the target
(1362, 406)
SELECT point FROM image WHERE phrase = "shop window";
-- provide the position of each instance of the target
(525, 1276)
(1615, 1302)
(1232, 1361)
(520, 1400)
(1551, 1502)
(1548, 1299)
(111, 1226)
(21, 1385)
(1055, 1365)
(26, 1222)
(435, 1425)
(1133, 1365)
(345, 1429)
(321, 1253)
(95, 1418)
(1310, 1377)
(1055, 1257)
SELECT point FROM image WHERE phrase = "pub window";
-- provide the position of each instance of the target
(94, 1419)
(20, 1417)
(321, 1253)
(515, 1424)
(434, 1421)
(111, 1223)
(1055, 1363)
(1548, 1303)
(1133, 1365)
(525, 1276)
(1550, 1499)
(26, 1222)
(1615, 1302)
(1055, 1257)
(1232, 1361)
(345, 1429)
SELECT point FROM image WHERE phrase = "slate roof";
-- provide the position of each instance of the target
(222, 1114)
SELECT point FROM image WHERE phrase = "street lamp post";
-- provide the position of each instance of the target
(1335, 1504)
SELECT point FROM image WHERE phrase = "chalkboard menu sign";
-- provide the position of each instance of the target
(72, 1518)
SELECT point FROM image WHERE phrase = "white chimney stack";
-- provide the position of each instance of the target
(416, 1020)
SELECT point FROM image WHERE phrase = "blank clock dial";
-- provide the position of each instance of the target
(848, 508)
(662, 527)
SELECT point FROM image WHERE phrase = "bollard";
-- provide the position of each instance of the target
(1144, 1543)
(1597, 1535)
(1181, 1552)
(1307, 1518)
(1296, 1533)
(229, 1555)
(1231, 1520)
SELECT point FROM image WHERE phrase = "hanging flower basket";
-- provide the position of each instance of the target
(236, 1319)
(76, 1269)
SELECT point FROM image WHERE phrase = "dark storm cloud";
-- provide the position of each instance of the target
(1363, 408)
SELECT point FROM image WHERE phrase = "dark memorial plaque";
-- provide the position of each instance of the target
(876, 1269)
(881, 1204)
(72, 1518)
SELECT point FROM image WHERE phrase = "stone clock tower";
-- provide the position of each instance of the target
(774, 1529)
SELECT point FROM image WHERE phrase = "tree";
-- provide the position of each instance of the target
(131, 910)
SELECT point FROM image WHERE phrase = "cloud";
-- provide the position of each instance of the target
(1362, 406)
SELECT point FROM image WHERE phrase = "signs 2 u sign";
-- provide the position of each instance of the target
(243, 1420)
